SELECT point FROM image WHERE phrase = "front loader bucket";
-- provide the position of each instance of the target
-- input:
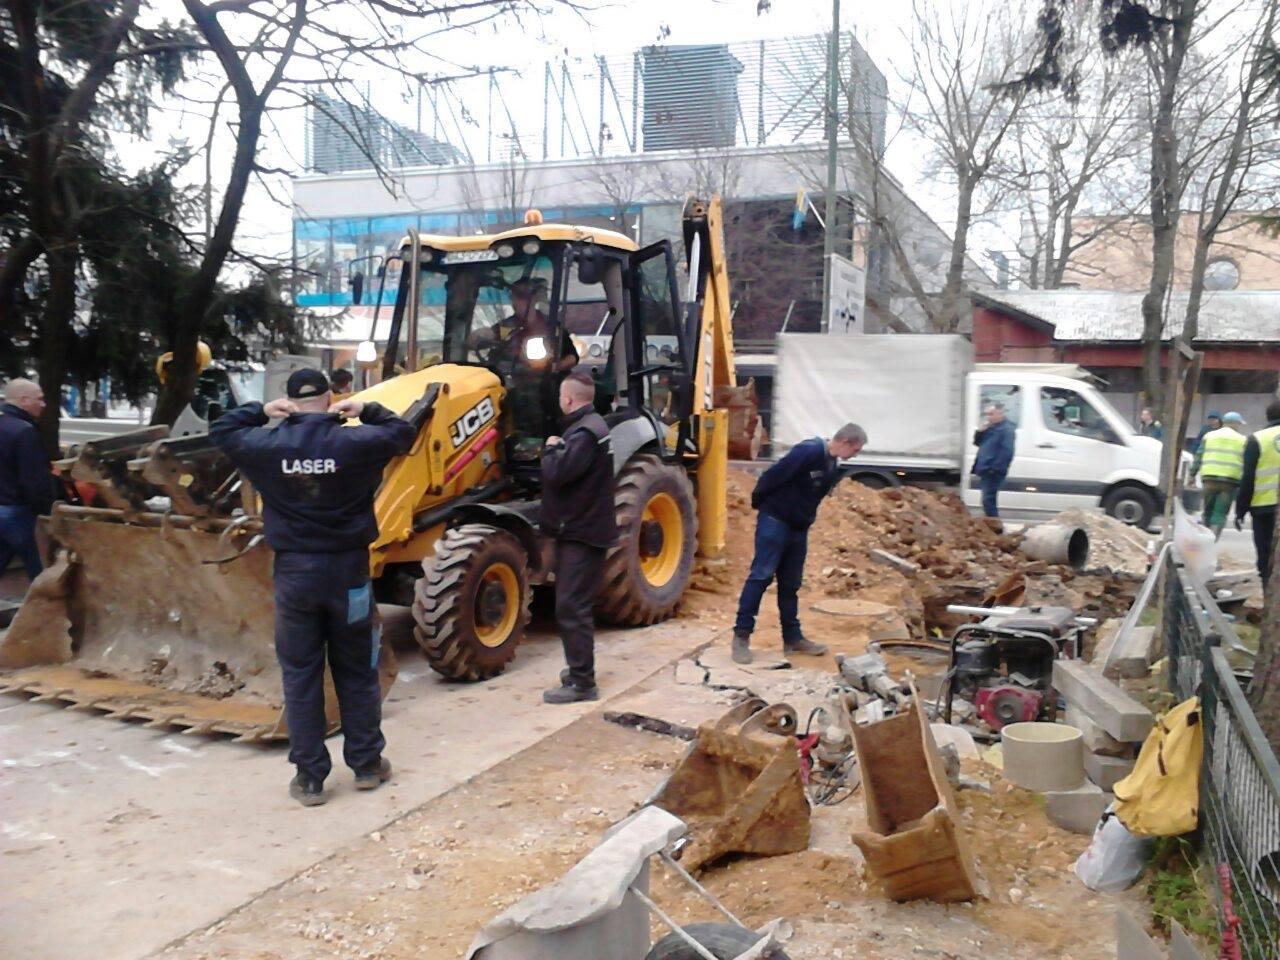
(738, 788)
(148, 616)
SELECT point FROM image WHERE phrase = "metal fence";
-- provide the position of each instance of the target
(1240, 776)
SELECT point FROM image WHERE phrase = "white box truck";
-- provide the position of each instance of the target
(921, 398)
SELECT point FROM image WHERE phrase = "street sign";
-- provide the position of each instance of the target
(848, 297)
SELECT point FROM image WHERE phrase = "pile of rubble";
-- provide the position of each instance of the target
(1113, 544)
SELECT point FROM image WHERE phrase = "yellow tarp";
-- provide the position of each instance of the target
(1161, 797)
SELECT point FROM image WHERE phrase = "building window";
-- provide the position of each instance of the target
(1221, 274)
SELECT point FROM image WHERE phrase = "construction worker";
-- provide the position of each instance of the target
(1220, 462)
(340, 382)
(317, 479)
(1260, 487)
(1212, 421)
(26, 482)
(578, 511)
(996, 443)
(786, 497)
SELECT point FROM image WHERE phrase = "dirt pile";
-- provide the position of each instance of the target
(913, 549)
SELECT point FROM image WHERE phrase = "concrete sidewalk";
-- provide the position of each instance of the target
(116, 839)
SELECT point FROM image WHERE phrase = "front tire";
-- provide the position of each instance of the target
(1135, 506)
(471, 605)
(648, 570)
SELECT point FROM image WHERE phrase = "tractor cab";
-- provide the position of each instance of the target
(532, 305)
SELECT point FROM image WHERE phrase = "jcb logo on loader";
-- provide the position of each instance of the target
(466, 425)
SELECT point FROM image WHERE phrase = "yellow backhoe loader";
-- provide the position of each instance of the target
(158, 604)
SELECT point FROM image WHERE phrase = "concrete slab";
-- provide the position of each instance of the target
(1181, 946)
(1126, 654)
(146, 835)
(1107, 771)
(1077, 810)
(1132, 942)
(1096, 739)
(1123, 717)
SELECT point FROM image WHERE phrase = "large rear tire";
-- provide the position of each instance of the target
(471, 605)
(648, 571)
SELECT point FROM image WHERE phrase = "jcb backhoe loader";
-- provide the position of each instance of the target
(159, 603)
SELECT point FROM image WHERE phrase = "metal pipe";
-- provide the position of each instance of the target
(1057, 543)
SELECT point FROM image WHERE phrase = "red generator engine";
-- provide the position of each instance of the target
(1003, 664)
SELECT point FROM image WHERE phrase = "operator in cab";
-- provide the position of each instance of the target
(317, 478)
(524, 338)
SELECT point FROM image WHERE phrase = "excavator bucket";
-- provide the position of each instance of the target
(164, 618)
(738, 788)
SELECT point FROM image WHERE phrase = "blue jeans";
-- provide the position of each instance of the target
(324, 608)
(18, 537)
(780, 552)
(990, 484)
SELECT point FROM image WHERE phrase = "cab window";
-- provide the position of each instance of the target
(1066, 411)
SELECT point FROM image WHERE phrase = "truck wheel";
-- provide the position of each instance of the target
(876, 481)
(471, 604)
(1134, 505)
(724, 940)
(648, 570)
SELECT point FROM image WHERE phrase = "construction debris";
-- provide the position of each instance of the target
(914, 844)
(739, 786)
(1113, 544)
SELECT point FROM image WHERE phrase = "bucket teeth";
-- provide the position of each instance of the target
(202, 729)
(163, 720)
(52, 695)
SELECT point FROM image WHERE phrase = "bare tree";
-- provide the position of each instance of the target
(276, 53)
(959, 105)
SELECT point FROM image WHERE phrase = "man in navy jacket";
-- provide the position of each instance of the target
(317, 479)
(995, 443)
(787, 496)
(26, 482)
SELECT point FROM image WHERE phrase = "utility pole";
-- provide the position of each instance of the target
(833, 135)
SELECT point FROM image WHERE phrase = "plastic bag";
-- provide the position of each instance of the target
(1115, 858)
(1195, 543)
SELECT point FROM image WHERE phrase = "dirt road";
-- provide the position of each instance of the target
(116, 839)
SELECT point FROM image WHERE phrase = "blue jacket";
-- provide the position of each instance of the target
(792, 488)
(317, 478)
(25, 476)
(995, 448)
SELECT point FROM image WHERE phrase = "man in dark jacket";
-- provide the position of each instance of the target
(26, 482)
(317, 479)
(787, 496)
(1259, 491)
(578, 511)
(995, 443)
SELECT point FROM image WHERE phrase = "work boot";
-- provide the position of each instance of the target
(308, 792)
(740, 649)
(803, 646)
(374, 775)
(568, 693)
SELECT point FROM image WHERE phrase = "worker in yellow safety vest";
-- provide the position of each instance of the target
(1220, 463)
(1260, 486)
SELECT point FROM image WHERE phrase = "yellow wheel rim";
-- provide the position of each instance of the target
(497, 605)
(661, 539)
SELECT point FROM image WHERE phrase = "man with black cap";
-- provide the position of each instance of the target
(317, 479)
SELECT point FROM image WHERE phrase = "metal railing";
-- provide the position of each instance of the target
(1239, 776)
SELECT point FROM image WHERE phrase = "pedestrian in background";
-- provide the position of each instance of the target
(340, 382)
(995, 442)
(1220, 463)
(1148, 425)
(787, 496)
(1211, 422)
(578, 511)
(26, 480)
(317, 479)
(1260, 487)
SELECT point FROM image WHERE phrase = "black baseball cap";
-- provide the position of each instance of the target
(307, 382)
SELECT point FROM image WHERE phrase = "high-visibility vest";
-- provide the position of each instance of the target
(1222, 454)
(1266, 479)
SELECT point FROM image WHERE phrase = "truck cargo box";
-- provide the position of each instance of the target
(906, 390)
